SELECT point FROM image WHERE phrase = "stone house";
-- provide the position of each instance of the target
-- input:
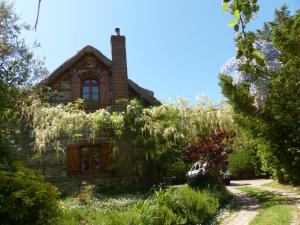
(100, 82)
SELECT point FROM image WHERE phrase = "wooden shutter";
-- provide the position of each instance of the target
(74, 162)
(106, 156)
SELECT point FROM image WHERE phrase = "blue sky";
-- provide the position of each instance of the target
(174, 47)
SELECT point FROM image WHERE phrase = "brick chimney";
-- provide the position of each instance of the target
(119, 67)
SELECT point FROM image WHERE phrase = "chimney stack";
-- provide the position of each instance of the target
(119, 66)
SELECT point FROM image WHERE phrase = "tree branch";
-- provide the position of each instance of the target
(37, 15)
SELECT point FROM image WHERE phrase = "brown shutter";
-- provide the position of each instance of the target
(74, 160)
(106, 156)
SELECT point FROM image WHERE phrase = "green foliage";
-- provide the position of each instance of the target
(180, 205)
(276, 123)
(158, 135)
(241, 10)
(183, 205)
(162, 208)
(198, 206)
(26, 199)
(18, 70)
(244, 161)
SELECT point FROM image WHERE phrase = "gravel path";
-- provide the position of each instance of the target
(248, 206)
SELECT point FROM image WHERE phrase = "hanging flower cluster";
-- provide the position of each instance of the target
(167, 122)
(258, 86)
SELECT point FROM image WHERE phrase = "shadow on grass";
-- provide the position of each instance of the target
(266, 198)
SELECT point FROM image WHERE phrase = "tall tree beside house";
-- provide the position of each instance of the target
(18, 69)
(264, 91)
(25, 197)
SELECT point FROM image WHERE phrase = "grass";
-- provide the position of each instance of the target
(273, 210)
(287, 187)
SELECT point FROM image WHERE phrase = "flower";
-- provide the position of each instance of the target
(258, 86)
(240, 78)
(230, 66)
(270, 54)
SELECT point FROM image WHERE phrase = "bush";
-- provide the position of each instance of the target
(215, 186)
(198, 206)
(183, 205)
(26, 199)
(244, 161)
(162, 208)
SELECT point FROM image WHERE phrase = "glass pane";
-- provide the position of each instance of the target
(93, 81)
(86, 82)
(85, 89)
(85, 165)
(95, 89)
(85, 96)
(96, 159)
(95, 96)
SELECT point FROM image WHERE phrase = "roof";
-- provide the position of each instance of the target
(145, 94)
(68, 63)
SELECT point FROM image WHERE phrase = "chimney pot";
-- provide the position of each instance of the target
(117, 30)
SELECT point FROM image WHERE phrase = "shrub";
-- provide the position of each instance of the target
(162, 208)
(244, 161)
(198, 206)
(183, 205)
(26, 199)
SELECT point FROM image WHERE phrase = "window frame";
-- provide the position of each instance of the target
(75, 157)
(90, 170)
(90, 104)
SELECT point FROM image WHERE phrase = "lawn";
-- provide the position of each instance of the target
(274, 210)
(287, 187)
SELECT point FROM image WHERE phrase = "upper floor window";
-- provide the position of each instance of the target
(90, 94)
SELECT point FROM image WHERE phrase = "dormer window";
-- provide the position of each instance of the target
(90, 94)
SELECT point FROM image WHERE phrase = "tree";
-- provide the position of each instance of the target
(18, 71)
(264, 91)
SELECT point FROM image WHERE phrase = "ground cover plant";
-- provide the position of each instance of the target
(274, 210)
(174, 205)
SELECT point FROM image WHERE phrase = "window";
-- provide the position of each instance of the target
(89, 160)
(90, 94)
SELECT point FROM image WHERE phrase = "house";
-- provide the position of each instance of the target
(100, 82)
